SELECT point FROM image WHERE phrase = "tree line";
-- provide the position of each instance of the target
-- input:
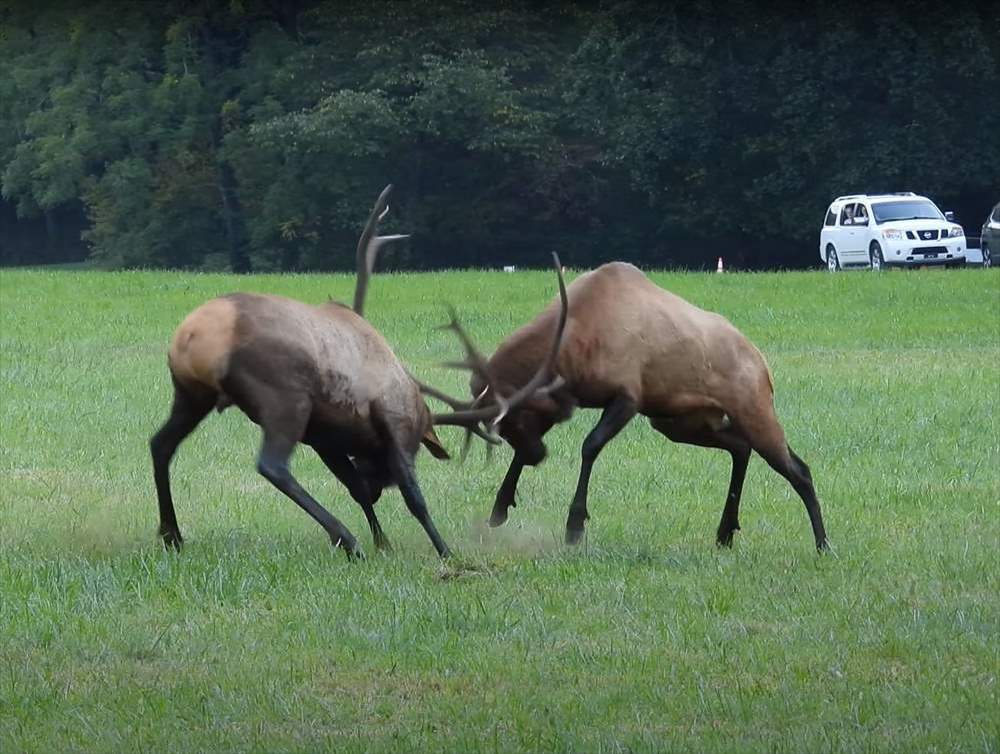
(253, 135)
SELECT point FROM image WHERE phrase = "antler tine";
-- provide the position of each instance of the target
(535, 385)
(491, 441)
(433, 392)
(474, 360)
(502, 406)
(369, 245)
(466, 444)
(459, 406)
(490, 438)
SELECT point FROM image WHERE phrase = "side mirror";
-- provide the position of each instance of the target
(949, 216)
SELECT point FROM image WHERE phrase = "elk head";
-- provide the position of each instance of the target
(521, 416)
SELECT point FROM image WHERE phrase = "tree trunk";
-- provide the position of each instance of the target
(232, 215)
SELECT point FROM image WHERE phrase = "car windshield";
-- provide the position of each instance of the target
(906, 210)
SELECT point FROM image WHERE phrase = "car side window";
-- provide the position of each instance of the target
(831, 217)
(847, 215)
(996, 214)
(860, 215)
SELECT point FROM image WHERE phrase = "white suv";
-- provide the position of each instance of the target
(882, 230)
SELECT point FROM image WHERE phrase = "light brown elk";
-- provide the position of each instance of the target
(320, 375)
(631, 348)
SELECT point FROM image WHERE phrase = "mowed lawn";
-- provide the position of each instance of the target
(260, 637)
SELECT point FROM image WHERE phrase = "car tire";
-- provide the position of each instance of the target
(876, 258)
(987, 257)
(832, 263)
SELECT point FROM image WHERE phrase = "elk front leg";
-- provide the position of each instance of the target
(730, 522)
(272, 463)
(617, 414)
(402, 471)
(505, 495)
(401, 467)
(738, 448)
(283, 416)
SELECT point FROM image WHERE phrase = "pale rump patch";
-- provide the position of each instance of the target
(200, 349)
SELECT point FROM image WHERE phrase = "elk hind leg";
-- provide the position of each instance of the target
(358, 487)
(186, 413)
(768, 439)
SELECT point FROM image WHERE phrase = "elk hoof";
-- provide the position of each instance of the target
(498, 517)
(350, 546)
(172, 539)
(573, 535)
(725, 538)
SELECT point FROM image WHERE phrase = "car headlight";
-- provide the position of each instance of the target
(956, 232)
(892, 234)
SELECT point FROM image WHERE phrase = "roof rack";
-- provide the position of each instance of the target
(871, 196)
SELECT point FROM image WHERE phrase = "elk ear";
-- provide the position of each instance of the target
(433, 444)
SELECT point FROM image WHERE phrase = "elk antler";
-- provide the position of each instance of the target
(368, 248)
(459, 405)
(466, 414)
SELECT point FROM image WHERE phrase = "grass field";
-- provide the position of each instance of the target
(260, 637)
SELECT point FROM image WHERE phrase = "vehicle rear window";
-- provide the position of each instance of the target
(831, 217)
(905, 210)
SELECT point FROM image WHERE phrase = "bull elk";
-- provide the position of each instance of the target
(319, 375)
(631, 348)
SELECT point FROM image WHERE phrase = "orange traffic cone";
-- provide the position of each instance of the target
(719, 267)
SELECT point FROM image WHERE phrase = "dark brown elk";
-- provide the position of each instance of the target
(631, 348)
(319, 375)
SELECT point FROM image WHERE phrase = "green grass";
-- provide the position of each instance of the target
(260, 637)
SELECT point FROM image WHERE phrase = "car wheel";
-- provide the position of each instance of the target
(832, 263)
(987, 257)
(875, 255)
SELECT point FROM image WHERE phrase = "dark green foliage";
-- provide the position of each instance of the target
(254, 134)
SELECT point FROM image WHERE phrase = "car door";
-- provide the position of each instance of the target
(862, 228)
(849, 235)
(828, 233)
(991, 231)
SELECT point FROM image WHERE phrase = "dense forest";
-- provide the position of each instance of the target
(253, 135)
